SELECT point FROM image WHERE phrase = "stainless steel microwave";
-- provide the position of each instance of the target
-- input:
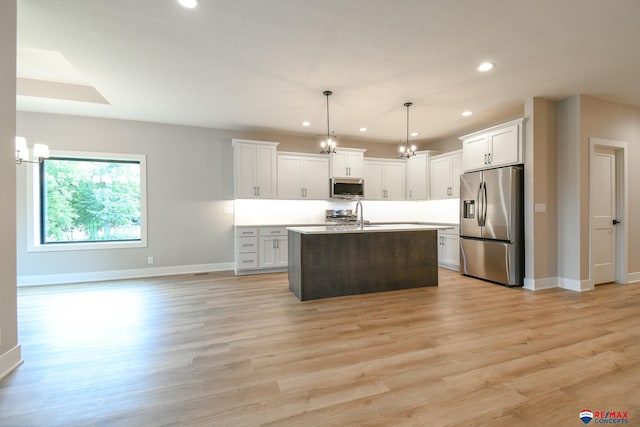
(347, 188)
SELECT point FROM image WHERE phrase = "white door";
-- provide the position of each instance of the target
(339, 165)
(503, 146)
(373, 172)
(355, 162)
(440, 171)
(245, 171)
(281, 255)
(316, 178)
(395, 178)
(266, 252)
(290, 177)
(417, 177)
(266, 171)
(456, 170)
(603, 213)
(475, 152)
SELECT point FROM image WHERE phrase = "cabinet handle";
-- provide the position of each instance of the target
(485, 159)
(247, 261)
(247, 245)
(258, 187)
(490, 158)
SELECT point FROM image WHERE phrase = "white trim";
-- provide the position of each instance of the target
(98, 276)
(33, 206)
(633, 277)
(10, 361)
(540, 284)
(622, 205)
(575, 285)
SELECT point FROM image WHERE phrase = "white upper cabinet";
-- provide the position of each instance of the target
(303, 176)
(445, 171)
(497, 146)
(384, 179)
(255, 169)
(347, 163)
(417, 167)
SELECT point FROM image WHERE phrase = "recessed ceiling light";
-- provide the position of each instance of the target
(306, 123)
(467, 113)
(363, 129)
(189, 4)
(414, 133)
(486, 66)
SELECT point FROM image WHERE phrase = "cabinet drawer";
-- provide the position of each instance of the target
(247, 244)
(273, 231)
(248, 260)
(247, 231)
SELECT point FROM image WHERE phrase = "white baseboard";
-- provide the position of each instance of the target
(539, 284)
(449, 266)
(10, 361)
(633, 277)
(98, 276)
(575, 285)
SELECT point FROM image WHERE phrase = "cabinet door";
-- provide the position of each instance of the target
(395, 179)
(440, 172)
(355, 164)
(266, 252)
(290, 177)
(451, 251)
(266, 171)
(503, 146)
(339, 164)
(245, 167)
(281, 256)
(448, 250)
(417, 177)
(456, 171)
(373, 189)
(316, 178)
(475, 152)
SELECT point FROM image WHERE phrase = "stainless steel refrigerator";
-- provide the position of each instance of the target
(492, 225)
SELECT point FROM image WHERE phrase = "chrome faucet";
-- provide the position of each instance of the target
(360, 219)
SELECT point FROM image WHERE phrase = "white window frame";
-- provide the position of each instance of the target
(33, 206)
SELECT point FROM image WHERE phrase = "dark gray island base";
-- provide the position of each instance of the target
(330, 264)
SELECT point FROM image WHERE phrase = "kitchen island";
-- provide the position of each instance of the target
(331, 261)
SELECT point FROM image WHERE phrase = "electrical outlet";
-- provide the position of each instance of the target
(150, 260)
(540, 207)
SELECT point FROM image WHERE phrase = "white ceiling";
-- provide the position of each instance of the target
(261, 65)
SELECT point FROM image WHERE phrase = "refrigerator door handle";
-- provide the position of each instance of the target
(479, 198)
(484, 203)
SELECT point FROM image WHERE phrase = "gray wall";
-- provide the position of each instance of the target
(189, 175)
(189, 191)
(8, 311)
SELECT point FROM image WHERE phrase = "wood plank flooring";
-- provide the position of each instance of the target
(219, 350)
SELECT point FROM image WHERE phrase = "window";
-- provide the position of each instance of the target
(89, 201)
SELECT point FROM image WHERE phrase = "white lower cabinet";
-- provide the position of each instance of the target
(260, 248)
(449, 248)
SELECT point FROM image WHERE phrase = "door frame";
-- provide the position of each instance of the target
(622, 230)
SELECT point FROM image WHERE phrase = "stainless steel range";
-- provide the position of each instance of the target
(340, 217)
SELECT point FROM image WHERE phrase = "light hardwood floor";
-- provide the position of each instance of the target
(219, 350)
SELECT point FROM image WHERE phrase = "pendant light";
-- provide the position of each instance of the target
(407, 150)
(328, 145)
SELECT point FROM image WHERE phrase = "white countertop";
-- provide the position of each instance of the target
(371, 228)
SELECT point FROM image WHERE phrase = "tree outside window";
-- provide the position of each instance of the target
(89, 200)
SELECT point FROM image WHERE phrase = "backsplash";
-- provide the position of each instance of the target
(255, 212)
